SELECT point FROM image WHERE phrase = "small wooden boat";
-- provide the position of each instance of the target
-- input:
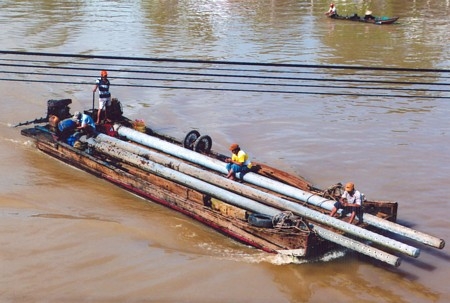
(268, 209)
(373, 20)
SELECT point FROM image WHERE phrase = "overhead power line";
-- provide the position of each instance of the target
(227, 75)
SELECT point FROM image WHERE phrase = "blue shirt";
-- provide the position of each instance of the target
(87, 120)
(66, 125)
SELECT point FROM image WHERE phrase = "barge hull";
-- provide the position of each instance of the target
(217, 214)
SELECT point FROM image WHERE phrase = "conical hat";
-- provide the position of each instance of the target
(368, 12)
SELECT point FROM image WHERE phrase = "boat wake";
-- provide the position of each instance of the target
(9, 132)
(15, 141)
(264, 257)
(280, 259)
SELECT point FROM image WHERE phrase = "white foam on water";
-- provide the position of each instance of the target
(259, 256)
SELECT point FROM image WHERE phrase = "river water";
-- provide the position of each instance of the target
(66, 236)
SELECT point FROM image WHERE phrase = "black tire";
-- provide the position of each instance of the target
(203, 144)
(260, 220)
(190, 139)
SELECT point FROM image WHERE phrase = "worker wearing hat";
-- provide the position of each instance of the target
(76, 116)
(84, 123)
(238, 163)
(104, 96)
(368, 15)
(350, 202)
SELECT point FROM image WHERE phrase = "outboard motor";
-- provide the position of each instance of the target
(56, 110)
(59, 108)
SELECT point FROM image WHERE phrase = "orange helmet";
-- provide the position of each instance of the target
(104, 73)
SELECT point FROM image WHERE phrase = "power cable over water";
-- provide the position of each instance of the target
(203, 75)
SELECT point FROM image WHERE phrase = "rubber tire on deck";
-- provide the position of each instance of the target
(260, 220)
(203, 144)
(190, 138)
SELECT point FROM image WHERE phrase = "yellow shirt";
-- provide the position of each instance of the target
(242, 157)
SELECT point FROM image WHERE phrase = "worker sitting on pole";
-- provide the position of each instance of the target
(350, 202)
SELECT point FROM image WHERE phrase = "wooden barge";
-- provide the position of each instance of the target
(268, 209)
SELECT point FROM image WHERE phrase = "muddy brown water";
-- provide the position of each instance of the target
(66, 236)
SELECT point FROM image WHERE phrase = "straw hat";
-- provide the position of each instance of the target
(368, 12)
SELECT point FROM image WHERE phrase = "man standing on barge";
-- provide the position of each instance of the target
(104, 96)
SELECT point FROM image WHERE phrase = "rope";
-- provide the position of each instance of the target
(287, 220)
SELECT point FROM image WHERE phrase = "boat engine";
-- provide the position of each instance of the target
(59, 108)
(56, 110)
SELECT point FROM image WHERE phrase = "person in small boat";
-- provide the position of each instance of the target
(350, 202)
(238, 163)
(84, 123)
(104, 96)
(368, 16)
(331, 11)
